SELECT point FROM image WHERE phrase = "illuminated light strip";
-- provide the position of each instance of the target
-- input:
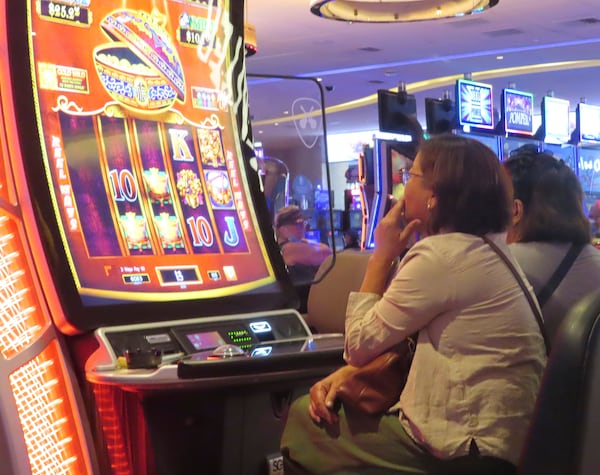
(21, 322)
(45, 412)
(450, 57)
(112, 429)
(442, 81)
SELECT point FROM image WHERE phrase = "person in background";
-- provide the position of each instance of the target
(480, 353)
(301, 256)
(351, 239)
(594, 217)
(548, 218)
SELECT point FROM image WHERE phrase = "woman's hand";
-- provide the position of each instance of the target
(323, 394)
(393, 233)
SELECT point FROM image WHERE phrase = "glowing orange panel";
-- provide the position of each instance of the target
(46, 414)
(3, 153)
(113, 428)
(21, 320)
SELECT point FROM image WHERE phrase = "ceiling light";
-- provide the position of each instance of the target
(384, 11)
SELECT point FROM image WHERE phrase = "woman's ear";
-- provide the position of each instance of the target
(513, 234)
(517, 212)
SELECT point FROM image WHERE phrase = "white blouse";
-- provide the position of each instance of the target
(480, 354)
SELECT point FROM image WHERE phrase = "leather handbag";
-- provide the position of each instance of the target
(376, 386)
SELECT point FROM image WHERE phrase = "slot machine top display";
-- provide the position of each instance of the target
(146, 184)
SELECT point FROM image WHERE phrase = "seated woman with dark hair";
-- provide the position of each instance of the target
(479, 356)
(548, 220)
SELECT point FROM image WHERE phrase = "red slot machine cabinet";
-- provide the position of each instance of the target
(138, 242)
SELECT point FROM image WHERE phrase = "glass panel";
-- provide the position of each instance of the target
(289, 130)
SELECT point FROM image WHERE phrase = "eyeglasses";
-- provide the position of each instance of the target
(407, 175)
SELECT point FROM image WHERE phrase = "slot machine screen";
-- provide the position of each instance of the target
(355, 219)
(588, 123)
(565, 152)
(397, 112)
(491, 141)
(589, 170)
(517, 112)
(555, 120)
(475, 103)
(337, 219)
(143, 176)
(440, 115)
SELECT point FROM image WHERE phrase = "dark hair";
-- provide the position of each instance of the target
(473, 192)
(552, 198)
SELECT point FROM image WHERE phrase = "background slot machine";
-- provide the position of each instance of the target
(555, 130)
(587, 138)
(391, 160)
(476, 114)
(397, 113)
(149, 325)
(516, 124)
(557, 142)
(440, 115)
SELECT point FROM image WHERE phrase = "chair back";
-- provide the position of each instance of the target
(564, 436)
(327, 299)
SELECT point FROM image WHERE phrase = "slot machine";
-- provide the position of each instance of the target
(516, 123)
(148, 324)
(587, 137)
(476, 114)
(555, 130)
(397, 114)
(391, 159)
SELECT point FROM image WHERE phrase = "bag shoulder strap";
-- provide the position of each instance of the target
(532, 304)
(545, 293)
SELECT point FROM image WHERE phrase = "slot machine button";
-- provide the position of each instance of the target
(228, 351)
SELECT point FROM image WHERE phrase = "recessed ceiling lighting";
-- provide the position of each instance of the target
(499, 57)
(369, 49)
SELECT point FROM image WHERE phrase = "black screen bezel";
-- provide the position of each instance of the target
(435, 112)
(389, 105)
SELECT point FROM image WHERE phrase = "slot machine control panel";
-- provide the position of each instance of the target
(193, 351)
